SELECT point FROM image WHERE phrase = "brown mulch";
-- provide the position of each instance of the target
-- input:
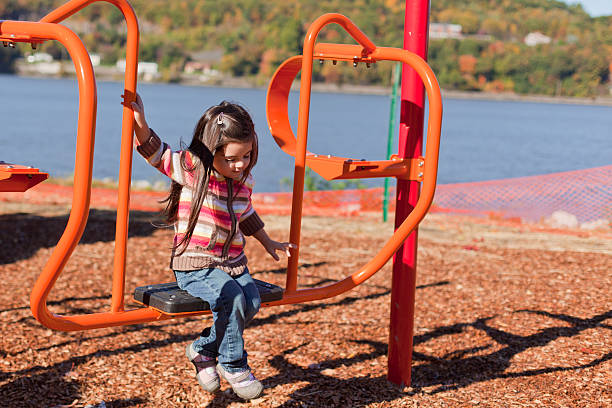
(505, 317)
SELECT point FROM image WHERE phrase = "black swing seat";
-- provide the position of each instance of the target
(168, 298)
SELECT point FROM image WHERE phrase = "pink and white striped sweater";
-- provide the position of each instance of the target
(225, 217)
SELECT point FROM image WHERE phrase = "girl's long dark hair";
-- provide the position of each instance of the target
(218, 126)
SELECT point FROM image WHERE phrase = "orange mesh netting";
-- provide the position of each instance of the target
(586, 194)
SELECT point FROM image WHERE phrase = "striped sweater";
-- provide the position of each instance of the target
(225, 217)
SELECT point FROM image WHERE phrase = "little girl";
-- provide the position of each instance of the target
(210, 207)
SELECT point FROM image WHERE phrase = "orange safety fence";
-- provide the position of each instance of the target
(586, 194)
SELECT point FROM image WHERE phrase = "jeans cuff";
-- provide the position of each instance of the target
(234, 370)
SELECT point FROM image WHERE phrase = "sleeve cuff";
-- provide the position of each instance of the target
(251, 224)
(151, 146)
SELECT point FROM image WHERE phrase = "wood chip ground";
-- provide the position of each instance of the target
(506, 316)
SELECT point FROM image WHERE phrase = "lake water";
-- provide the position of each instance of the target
(481, 140)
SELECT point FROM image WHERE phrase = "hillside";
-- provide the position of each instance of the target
(247, 38)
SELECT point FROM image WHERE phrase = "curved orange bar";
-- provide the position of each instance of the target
(327, 166)
(83, 163)
(302, 131)
(279, 127)
(125, 166)
(277, 104)
(47, 29)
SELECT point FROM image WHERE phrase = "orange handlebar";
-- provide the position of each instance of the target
(344, 22)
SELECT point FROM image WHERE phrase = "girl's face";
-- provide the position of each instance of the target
(232, 159)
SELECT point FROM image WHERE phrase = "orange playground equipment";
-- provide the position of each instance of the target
(14, 177)
(416, 174)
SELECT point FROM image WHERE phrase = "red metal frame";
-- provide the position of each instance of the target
(403, 286)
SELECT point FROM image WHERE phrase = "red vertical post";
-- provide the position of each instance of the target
(416, 26)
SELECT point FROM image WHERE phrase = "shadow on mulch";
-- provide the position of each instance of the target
(23, 234)
(26, 390)
(64, 301)
(56, 391)
(457, 370)
(453, 371)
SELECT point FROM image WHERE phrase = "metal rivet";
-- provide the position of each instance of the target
(329, 156)
(420, 175)
(421, 163)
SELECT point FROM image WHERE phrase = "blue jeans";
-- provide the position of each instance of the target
(234, 301)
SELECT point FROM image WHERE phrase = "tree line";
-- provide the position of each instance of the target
(256, 36)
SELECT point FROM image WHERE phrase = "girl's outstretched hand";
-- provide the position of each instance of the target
(273, 246)
(141, 128)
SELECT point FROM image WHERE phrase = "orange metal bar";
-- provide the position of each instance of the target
(328, 166)
(302, 132)
(342, 52)
(125, 165)
(47, 29)
(277, 104)
(430, 169)
(337, 51)
(83, 162)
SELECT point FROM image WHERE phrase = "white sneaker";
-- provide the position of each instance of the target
(244, 383)
(205, 369)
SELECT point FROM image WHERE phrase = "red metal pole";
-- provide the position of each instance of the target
(416, 25)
